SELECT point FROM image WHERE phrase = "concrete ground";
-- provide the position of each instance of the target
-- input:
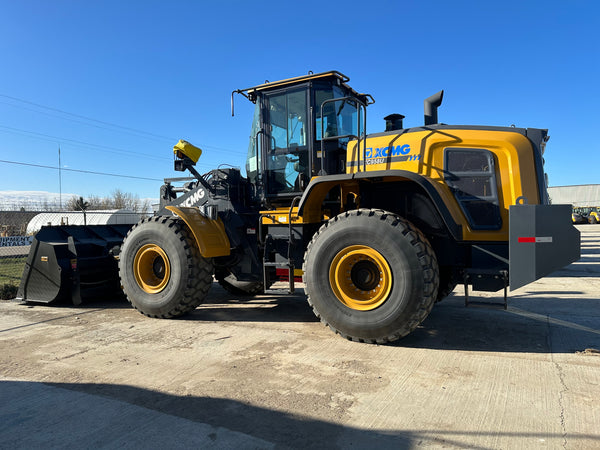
(266, 374)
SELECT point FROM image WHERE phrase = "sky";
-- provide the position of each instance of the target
(115, 84)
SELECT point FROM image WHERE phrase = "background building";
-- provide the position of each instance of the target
(578, 196)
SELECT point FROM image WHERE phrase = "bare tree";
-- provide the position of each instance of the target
(47, 205)
(127, 200)
(118, 199)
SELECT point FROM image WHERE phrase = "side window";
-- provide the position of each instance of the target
(339, 117)
(287, 119)
(471, 175)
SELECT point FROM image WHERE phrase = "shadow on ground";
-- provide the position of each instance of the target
(284, 430)
(535, 322)
(540, 324)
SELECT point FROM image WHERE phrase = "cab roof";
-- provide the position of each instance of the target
(311, 76)
(268, 85)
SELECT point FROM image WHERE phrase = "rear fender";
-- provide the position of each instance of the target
(209, 234)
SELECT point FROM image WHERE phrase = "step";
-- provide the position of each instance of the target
(277, 264)
(492, 304)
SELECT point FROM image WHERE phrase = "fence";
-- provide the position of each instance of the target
(17, 229)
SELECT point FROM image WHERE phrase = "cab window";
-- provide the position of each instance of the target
(253, 158)
(339, 117)
(286, 133)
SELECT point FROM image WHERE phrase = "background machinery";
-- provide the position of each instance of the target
(380, 226)
(586, 214)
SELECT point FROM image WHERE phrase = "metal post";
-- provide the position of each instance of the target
(59, 180)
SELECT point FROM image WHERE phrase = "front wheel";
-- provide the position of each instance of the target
(161, 269)
(371, 276)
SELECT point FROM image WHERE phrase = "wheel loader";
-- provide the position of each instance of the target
(586, 214)
(379, 226)
(590, 214)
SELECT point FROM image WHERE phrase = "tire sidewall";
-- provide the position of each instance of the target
(163, 236)
(402, 258)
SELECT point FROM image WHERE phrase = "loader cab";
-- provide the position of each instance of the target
(300, 130)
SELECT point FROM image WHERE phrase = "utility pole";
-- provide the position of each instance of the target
(59, 180)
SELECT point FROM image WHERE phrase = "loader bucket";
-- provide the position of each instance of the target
(72, 263)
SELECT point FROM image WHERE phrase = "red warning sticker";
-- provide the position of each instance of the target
(537, 240)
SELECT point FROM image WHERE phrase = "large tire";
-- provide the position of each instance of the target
(370, 276)
(593, 220)
(242, 288)
(162, 272)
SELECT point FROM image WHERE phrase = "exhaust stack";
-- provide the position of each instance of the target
(431, 105)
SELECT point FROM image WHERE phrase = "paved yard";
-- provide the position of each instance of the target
(265, 374)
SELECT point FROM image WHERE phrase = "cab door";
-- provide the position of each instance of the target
(286, 142)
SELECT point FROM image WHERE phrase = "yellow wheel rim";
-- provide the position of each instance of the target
(151, 268)
(360, 277)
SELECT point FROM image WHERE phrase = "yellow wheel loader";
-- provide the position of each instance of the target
(380, 226)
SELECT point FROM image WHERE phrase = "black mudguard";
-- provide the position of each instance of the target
(542, 240)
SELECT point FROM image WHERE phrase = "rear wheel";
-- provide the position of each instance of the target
(161, 269)
(371, 276)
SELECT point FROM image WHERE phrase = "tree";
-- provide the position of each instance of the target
(117, 200)
(99, 203)
(126, 200)
(77, 204)
(46, 205)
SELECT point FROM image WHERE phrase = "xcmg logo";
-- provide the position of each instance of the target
(194, 198)
(390, 154)
(384, 152)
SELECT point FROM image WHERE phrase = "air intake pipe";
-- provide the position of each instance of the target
(431, 105)
(393, 122)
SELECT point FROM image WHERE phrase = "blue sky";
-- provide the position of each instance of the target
(115, 84)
